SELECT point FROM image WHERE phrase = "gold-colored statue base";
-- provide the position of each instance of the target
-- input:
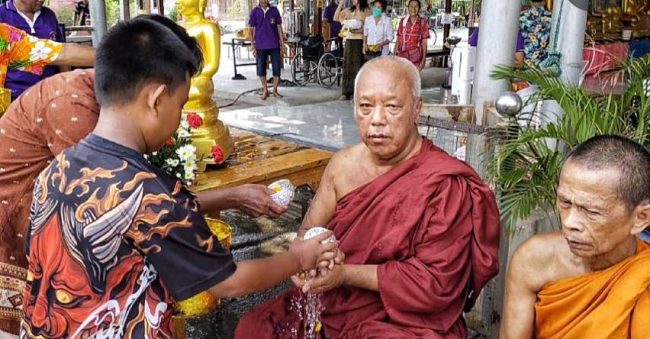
(213, 132)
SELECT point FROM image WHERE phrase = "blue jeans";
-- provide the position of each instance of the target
(263, 56)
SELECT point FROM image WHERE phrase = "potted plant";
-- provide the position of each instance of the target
(526, 166)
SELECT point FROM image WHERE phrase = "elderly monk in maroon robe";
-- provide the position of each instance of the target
(419, 228)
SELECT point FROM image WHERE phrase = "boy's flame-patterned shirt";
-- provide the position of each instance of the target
(113, 242)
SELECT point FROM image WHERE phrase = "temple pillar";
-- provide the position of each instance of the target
(98, 18)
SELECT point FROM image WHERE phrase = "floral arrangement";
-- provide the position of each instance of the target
(178, 155)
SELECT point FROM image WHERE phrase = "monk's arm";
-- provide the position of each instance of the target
(433, 281)
(361, 276)
(521, 293)
(323, 206)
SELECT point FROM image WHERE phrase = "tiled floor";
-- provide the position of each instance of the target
(327, 125)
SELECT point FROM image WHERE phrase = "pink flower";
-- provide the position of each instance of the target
(37, 69)
(217, 154)
(194, 120)
(170, 141)
(15, 35)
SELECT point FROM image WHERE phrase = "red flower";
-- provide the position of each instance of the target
(194, 120)
(217, 154)
(170, 141)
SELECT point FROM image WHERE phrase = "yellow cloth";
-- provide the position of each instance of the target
(612, 303)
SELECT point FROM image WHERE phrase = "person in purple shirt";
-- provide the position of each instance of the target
(268, 41)
(328, 15)
(519, 50)
(35, 19)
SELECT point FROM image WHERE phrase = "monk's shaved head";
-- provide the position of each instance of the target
(631, 159)
(397, 67)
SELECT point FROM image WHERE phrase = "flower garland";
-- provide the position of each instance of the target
(178, 155)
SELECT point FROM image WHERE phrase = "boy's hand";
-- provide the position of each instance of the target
(311, 252)
(255, 200)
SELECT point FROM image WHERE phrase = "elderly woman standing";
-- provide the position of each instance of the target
(412, 35)
(352, 19)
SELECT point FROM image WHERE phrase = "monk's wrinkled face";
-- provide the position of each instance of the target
(386, 110)
(595, 219)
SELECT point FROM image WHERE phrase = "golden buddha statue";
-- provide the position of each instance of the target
(213, 131)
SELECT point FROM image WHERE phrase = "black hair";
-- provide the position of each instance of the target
(382, 3)
(149, 48)
(630, 158)
(419, 6)
(363, 6)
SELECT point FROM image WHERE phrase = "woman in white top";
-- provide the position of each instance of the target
(377, 32)
(352, 19)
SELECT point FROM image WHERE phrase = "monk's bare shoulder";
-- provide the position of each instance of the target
(347, 157)
(538, 260)
(346, 170)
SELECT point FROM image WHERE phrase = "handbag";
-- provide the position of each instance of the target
(414, 55)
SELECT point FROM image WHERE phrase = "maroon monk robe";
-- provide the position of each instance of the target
(432, 226)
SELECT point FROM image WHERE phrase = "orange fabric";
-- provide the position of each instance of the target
(613, 303)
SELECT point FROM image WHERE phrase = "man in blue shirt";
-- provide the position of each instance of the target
(35, 19)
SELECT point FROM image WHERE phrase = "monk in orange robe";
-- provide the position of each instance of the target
(419, 229)
(592, 278)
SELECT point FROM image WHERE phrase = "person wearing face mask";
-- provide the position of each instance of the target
(377, 32)
(412, 35)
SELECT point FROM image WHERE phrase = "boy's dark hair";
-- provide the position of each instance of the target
(631, 159)
(149, 48)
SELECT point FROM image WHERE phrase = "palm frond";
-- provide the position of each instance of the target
(526, 165)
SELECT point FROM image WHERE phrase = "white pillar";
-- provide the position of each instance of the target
(125, 11)
(499, 27)
(98, 17)
(569, 25)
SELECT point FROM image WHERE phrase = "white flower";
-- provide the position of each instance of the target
(154, 153)
(178, 175)
(189, 176)
(183, 134)
(186, 152)
(172, 162)
(185, 125)
(40, 51)
(189, 167)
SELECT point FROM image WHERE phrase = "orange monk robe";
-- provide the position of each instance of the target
(612, 303)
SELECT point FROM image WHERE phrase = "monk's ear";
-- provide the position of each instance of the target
(417, 108)
(641, 215)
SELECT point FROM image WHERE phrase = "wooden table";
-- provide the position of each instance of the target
(262, 160)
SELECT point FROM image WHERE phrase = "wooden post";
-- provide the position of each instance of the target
(161, 7)
(447, 27)
(125, 11)
(318, 15)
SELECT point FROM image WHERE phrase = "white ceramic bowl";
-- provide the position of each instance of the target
(284, 192)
